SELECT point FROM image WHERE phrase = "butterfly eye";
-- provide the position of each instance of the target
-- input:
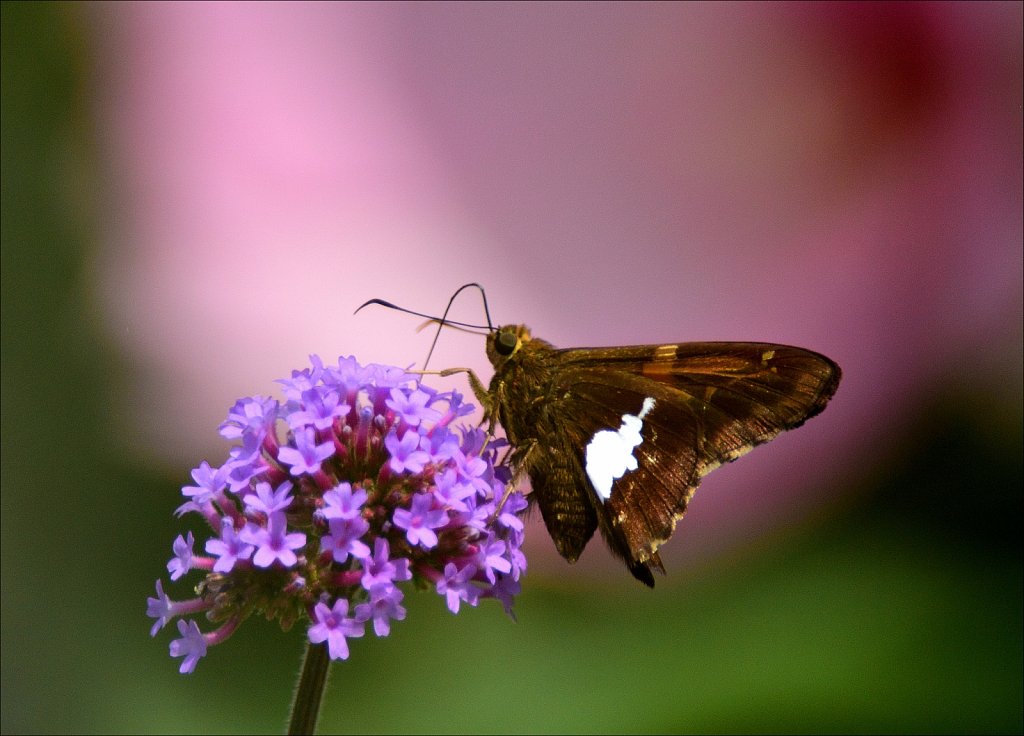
(506, 342)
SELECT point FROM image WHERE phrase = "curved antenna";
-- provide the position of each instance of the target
(444, 317)
(487, 312)
(483, 296)
(389, 305)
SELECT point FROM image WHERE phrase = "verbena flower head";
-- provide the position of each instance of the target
(357, 483)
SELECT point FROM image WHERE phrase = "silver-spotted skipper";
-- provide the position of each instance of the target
(618, 438)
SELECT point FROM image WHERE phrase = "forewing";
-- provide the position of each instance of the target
(712, 402)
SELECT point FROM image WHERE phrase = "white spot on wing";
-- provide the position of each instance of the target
(609, 454)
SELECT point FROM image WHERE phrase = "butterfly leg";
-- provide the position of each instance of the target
(520, 468)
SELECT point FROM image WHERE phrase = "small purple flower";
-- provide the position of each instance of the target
(420, 521)
(209, 483)
(455, 586)
(492, 557)
(406, 457)
(474, 440)
(380, 570)
(242, 472)
(320, 408)
(412, 407)
(191, 646)
(181, 563)
(159, 608)
(267, 501)
(441, 445)
(385, 377)
(474, 470)
(302, 381)
(515, 504)
(341, 502)
(383, 606)
(307, 456)
(254, 415)
(343, 539)
(516, 556)
(334, 626)
(229, 548)
(452, 493)
(273, 543)
(479, 517)
(348, 373)
(456, 409)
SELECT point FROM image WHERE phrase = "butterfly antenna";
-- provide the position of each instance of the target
(389, 305)
(443, 320)
(444, 317)
(483, 295)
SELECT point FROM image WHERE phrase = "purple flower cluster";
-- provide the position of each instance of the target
(371, 486)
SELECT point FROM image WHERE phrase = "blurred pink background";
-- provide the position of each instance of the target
(844, 177)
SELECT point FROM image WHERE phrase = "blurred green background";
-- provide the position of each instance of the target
(898, 610)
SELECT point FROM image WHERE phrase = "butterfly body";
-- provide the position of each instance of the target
(618, 438)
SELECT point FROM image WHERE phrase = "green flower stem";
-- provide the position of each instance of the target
(309, 692)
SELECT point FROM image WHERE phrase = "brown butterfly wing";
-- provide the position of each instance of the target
(713, 402)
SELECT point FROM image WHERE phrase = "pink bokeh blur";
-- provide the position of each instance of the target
(846, 177)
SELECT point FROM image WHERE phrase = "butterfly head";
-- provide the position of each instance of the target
(505, 342)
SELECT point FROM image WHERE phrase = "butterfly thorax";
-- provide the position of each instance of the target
(520, 388)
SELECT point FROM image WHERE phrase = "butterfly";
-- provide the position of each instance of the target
(617, 439)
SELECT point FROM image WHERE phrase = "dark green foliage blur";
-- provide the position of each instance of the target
(899, 611)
